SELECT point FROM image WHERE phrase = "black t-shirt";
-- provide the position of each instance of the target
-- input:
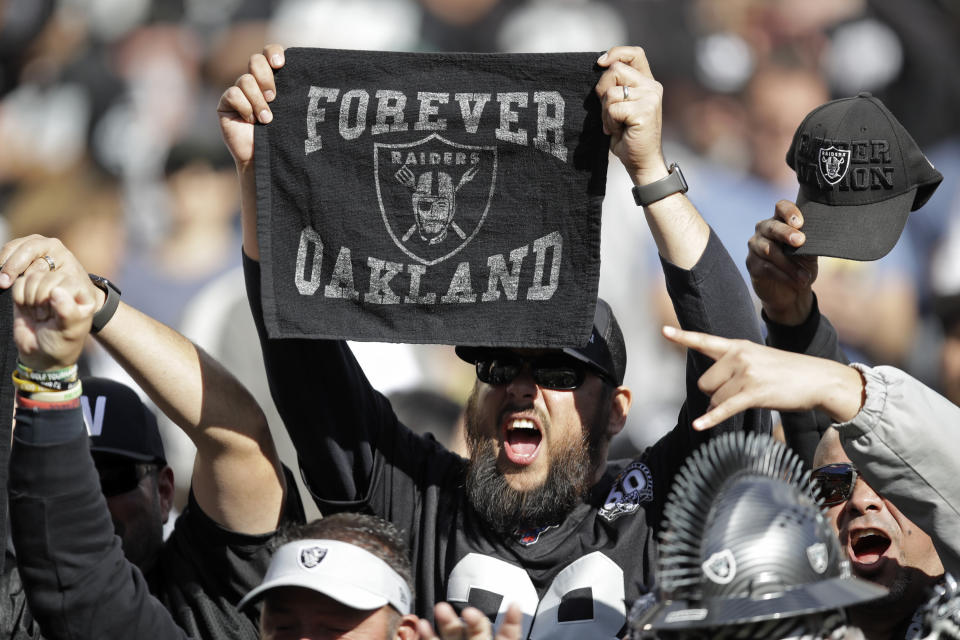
(205, 569)
(575, 580)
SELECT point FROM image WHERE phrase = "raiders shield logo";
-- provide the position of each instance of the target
(633, 487)
(310, 557)
(434, 194)
(817, 556)
(833, 164)
(721, 567)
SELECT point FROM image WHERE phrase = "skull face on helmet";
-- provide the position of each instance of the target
(434, 203)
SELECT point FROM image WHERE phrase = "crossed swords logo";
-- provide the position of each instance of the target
(433, 221)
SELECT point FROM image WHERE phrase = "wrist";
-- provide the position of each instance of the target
(50, 388)
(844, 393)
(661, 188)
(649, 175)
(111, 300)
(792, 315)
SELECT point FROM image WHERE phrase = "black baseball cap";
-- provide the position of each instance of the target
(605, 349)
(860, 175)
(119, 423)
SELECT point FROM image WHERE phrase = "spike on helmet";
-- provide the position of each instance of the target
(434, 203)
(745, 540)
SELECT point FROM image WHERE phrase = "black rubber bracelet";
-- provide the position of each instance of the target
(102, 317)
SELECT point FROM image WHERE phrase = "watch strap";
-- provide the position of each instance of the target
(673, 182)
(103, 316)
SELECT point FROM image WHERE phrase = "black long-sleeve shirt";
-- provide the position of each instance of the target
(77, 580)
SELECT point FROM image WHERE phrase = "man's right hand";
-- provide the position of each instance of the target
(246, 102)
(783, 283)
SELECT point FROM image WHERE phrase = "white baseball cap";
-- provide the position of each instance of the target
(340, 570)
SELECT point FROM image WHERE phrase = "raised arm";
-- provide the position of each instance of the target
(237, 479)
(784, 285)
(333, 415)
(77, 581)
(632, 101)
(705, 286)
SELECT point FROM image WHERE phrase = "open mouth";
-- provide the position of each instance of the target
(867, 547)
(521, 440)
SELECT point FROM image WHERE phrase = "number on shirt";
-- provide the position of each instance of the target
(586, 599)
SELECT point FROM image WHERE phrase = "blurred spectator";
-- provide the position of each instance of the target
(199, 240)
(81, 207)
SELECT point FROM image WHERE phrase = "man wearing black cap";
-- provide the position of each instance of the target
(89, 536)
(134, 476)
(536, 515)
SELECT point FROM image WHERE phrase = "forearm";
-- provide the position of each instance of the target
(713, 298)
(237, 476)
(184, 381)
(679, 231)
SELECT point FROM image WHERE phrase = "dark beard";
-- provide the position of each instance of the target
(507, 510)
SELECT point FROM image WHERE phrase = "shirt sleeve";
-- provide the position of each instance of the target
(712, 297)
(207, 568)
(77, 580)
(899, 442)
(345, 431)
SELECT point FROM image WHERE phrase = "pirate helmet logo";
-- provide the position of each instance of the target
(310, 557)
(434, 194)
(833, 164)
(720, 567)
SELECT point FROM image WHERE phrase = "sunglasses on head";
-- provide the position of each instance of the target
(835, 482)
(550, 370)
(118, 478)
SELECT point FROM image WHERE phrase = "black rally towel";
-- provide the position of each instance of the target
(432, 198)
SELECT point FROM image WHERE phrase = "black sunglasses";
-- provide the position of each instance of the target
(557, 371)
(118, 478)
(835, 482)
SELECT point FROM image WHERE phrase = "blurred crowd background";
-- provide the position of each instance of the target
(109, 140)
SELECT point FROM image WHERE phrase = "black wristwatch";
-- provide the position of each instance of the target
(674, 182)
(102, 317)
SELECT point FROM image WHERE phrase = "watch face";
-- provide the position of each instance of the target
(103, 283)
